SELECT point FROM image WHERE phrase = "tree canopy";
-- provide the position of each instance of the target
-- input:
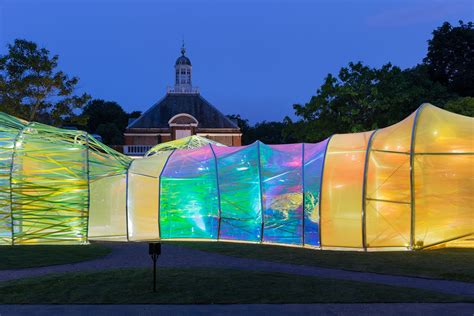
(108, 119)
(362, 98)
(450, 57)
(32, 88)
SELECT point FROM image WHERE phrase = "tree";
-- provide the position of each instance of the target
(110, 133)
(32, 88)
(463, 106)
(361, 98)
(101, 116)
(266, 132)
(134, 114)
(244, 126)
(450, 57)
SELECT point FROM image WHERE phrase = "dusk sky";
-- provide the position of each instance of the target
(253, 58)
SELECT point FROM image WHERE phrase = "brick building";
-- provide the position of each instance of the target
(181, 112)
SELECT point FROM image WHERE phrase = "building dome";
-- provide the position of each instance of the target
(183, 60)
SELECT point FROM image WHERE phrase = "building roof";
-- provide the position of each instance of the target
(172, 104)
(183, 60)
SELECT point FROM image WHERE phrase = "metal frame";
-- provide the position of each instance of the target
(126, 198)
(304, 196)
(88, 187)
(412, 176)
(15, 141)
(321, 192)
(219, 211)
(159, 192)
(364, 191)
(262, 230)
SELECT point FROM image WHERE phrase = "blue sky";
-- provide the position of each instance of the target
(254, 58)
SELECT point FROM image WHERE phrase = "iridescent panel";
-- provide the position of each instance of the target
(282, 187)
(313, 165)
(188, 195)
(239, 186)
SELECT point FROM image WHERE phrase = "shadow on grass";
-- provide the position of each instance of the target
(16, 257)
(448, 263)
(204, 286)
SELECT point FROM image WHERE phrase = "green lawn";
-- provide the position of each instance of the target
(449, 263)
(204, 286)
(16, 257)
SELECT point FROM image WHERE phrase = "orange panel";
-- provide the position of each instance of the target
(341, 203)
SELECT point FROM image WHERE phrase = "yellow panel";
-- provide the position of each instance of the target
(388, 177)
(341, 203)
(396, 137)
(143, 196)
(150, 166)
(443, 176)
(444, 198)
(107, 214)
(388, 224)
(142, 207)
(388, 191)
(440, 131)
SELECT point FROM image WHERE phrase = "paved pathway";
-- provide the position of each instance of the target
(136, 255)
(458, 309)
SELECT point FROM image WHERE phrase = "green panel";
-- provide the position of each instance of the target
(188, 199)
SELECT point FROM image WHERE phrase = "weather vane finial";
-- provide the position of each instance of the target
(183, 49)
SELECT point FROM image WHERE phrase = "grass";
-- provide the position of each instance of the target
(204, 286)
(448, 263)
(16, 257)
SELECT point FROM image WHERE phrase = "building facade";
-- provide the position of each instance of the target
(180, 113)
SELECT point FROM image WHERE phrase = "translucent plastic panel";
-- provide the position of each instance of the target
(142, 207)
(313, 163)
(387, 224)
(395, 138)
(108, 215)
(341, 208)
(188, 199)
(10, 127)
(388, 192)
(143, 197)
(150, 166)
(239, 187)
(443, 176)
(7, 138)
(282, 187)
(444, 198)
(388, 177)
(49, 187)
(440, 131)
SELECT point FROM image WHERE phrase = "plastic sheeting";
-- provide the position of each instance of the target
(406, 186)
(341, 208)
(188, 195)
(388, 190)
(443, 177)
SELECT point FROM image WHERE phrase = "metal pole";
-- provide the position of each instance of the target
(364, 191)
(154, 250)
(412, 176)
